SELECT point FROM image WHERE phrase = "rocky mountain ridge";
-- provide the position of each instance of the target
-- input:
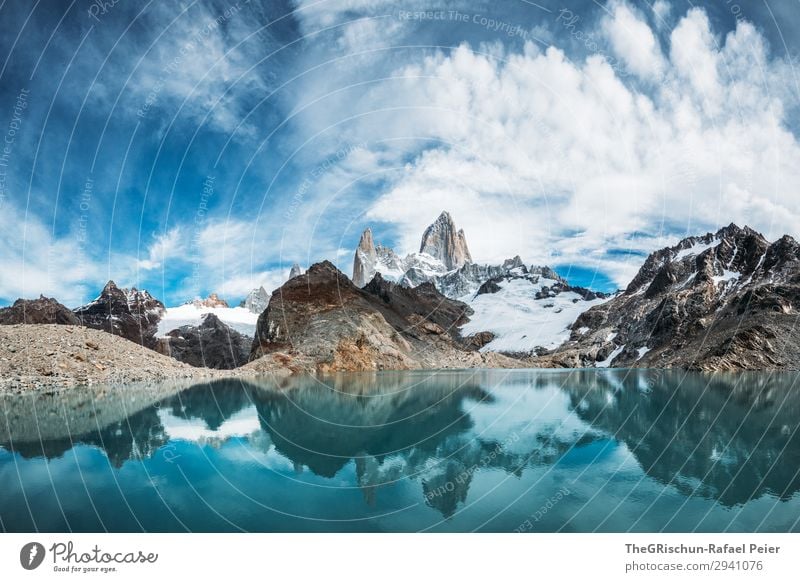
(213, 300)
(724, 301)
(443, 242)
(44, 310)
(727, 300)
(256, 301)
(128, 313)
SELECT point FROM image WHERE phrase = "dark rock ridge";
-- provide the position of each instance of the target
(324, 317)
(212, 344)
(427, 310)
(513, 269)
(131, 314)
(256, 301)
(38, 311)
(724, 301)
(470, 277)
(442, 241)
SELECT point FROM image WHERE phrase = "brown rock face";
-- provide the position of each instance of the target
(39, 311)
(323, 316)
(212, 300)
(131, 314)
(442, 241)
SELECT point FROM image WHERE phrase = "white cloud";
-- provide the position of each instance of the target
(559, 160)
(170, 244)
(35, 261)
(200, 66)
(633, 41)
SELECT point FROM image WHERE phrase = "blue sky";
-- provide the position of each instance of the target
(206, 146)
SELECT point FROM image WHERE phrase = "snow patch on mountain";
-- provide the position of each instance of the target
(525, 314)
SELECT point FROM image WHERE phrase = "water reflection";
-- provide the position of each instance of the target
(730, 440)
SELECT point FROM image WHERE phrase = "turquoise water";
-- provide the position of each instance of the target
(572, 451)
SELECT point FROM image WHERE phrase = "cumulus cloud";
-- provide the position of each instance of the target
(35, 261)
(633, 41)
(226, 256)
(560, 159)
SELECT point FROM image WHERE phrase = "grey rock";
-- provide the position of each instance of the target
(212, 344)
(131, 314)
(442, 241)
(256, 301)
(723, 301)
(38, 311)
(365, 259)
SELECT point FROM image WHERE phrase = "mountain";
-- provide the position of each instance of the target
(38, 311)
(131, 314)
(723, 301)
(517, 310)
(296, 271)
(329, 324)
(442, 250)
(213, 300)
(212, 344)
(365, 261)
(257, 300)
(441, 241)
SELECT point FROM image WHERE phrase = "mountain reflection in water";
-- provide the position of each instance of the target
(617, 450)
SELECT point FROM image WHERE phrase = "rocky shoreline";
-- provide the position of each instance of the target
(46, 356)
(57, 357)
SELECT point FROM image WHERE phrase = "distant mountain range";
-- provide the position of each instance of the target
(722, 301)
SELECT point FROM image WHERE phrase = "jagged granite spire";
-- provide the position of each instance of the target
(441, 240)
(296, 271)
(364, 260)
(256, 301)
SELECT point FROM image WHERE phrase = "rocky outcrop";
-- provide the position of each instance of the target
(256, 301)
(212, 344)
(323, 318)
(365, 259)
(131, 314)
(213, 300)
(442, 241)
(427, 310)
(724, 301)
(38, 311)
(296, 271)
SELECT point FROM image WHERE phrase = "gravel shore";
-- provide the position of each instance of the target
(58, 356)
